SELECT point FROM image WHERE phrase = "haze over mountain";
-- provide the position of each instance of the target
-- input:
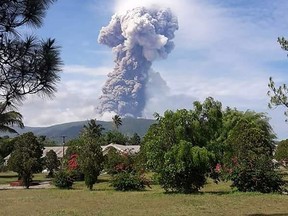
(72, 130)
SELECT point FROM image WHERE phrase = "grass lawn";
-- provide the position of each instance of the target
(215, 199)
(7, 177)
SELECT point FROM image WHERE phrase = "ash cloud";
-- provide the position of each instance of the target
(137, 37)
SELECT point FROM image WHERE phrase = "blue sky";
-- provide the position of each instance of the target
(226, 49)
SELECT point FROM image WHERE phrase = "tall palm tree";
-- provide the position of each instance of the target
(8, 119)
(117, 121)
(92, 129)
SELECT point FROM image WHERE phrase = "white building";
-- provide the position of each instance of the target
(61, 151)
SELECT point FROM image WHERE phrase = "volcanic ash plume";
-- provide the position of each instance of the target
(137, 38)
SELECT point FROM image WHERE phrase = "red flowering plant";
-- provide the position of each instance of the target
(225, 171)
(126, 175)
(72, 162)
(73, 167)
(252, 175)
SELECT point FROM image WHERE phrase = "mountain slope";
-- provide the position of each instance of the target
(72, 130)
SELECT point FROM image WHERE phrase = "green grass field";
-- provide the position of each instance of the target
(215, 199)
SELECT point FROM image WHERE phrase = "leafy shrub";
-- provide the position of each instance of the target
(185, 168)
(111, 160)
(281, 153)
(91, 161)
(126, 181)
(253, 175)
(257, 176)
(73, 167)
(126, 173)
(63, 180)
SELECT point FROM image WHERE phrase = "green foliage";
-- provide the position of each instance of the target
(119, 138)
(127, 181)
(281, 153)
(9, 118)
(249, 161)
(115, 137)
(111, 160)
(249, 122)
(199, 128)
(135, 140)
(185, 168)
(127, 174)
(51, 162)
(284, 43)
(26, 158)
(63, 180)
(46, 141)
(117, 121)
(6, 146)
(74, 147)
(1, 162)
(279, 94)
(248, 140)
(92, 129)
(28, 65)
(90, 160)
(257, 175)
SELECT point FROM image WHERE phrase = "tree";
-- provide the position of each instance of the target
(51, 162)
(117, 121)
(281, 153)
(193, 130)
(91, 160)
(232, 121)
(8, 119)
(27, 65)
(26, 159)
(185, 168)
(116, 137)
(92, 129)
(135, 139)
(278, 94)
(6, 146)
(46, 141)
(251, 167)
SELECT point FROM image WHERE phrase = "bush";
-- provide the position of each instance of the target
(281, 153)
(185, 168)
(74, 169)
(126, 173)
(63, 180)
(127, 181)
(258, 176)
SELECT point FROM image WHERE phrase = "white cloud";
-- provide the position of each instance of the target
(74, 101)
(221, 51)
(86, 71)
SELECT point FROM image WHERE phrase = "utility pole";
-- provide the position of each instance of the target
(63, 144)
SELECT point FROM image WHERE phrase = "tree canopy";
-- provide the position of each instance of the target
(175, 132)
(26, 158)
(281, 153)
(278, 94)
(28, 65)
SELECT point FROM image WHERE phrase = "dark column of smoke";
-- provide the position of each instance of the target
(138, 37)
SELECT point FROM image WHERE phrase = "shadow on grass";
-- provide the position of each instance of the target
(275, 214)
(199, 193)
(103, 180)
(8, 176)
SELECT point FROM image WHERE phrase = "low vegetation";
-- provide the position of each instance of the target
(213, 199)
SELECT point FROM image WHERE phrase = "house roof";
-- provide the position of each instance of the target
(121, 148)
(59, 149)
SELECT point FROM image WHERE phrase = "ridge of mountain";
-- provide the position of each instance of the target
(71, 130)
